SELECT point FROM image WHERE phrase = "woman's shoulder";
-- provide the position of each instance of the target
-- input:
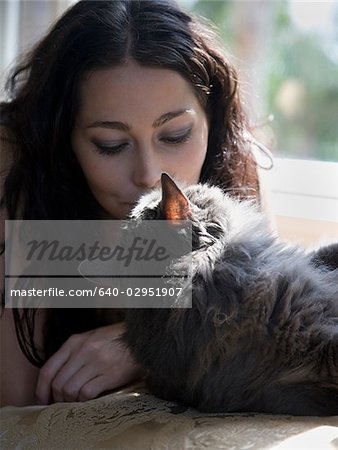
(7, 149)
(6, 160)
(9, 156)
(6, 136)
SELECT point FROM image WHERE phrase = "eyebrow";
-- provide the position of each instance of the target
(169, 116)
(125, 127)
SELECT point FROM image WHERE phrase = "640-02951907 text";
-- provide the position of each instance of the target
(110, 292)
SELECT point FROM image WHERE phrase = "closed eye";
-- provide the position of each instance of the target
(110, 149)
(177, 138)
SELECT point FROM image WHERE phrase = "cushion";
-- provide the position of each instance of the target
(134, 419)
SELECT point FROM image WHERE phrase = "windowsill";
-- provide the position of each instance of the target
(302, 197)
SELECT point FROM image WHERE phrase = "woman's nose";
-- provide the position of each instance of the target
(147, 170)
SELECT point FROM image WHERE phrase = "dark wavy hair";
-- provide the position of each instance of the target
(45, 180)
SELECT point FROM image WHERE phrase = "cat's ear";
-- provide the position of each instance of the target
(175, 205)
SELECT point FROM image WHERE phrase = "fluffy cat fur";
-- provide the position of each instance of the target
(262, 334)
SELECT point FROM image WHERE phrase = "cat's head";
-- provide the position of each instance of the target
(206, 207)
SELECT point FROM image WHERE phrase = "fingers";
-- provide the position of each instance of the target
(104, 383)
(75, 387)
(47, 374)
(94, 388)
(87, 365)
(86, 383)
(49, 371)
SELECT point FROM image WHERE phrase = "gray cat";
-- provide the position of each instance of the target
(262, 334)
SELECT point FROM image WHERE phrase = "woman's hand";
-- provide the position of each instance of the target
(87, 365)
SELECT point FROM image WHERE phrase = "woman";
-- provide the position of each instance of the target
(116, 93)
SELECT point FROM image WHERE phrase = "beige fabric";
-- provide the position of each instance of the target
(136, 420)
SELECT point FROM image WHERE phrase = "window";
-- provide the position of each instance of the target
(287, 52)
(302, 198)
(22, 23)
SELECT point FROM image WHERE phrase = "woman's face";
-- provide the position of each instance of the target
(133, 124)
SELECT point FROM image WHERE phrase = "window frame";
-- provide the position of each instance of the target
(303, 204)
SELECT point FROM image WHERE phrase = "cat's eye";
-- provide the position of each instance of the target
(110, 149)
